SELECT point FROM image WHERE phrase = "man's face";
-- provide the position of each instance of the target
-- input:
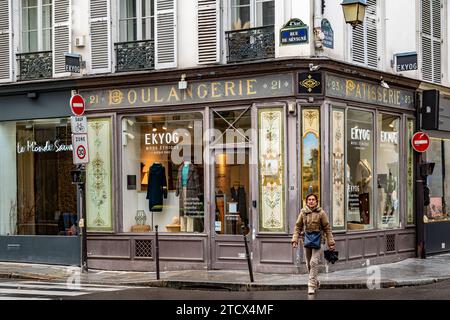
(311, 202)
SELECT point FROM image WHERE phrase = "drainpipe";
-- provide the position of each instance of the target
(318, 34)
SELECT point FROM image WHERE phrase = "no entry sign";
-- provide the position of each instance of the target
(80, 148)
(420, 141)
(77, 105)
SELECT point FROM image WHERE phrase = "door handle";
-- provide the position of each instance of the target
(254, 203)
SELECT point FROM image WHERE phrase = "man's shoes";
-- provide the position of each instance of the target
(311, 290)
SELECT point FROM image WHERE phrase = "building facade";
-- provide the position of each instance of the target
(210, 119)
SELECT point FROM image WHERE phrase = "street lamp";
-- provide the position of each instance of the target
(354, 11)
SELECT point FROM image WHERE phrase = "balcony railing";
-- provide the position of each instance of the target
(135, 55)
(35, 65)
(251, 44)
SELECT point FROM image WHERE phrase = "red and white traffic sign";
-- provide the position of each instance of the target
(80, 148)
(77, 105)
(420, 141)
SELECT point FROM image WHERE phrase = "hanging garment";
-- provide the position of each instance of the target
(157, 187)
(189, 194)
(240, 197)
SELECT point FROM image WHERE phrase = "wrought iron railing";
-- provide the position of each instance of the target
(251, 44)
(135, 55)
(35, 65)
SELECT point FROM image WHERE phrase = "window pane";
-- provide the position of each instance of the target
(388, 173)
(30, 3)
(435, 182)
(127, 9)
(29, 19)
(46, 17)
(265, 13)
(128, 31)
(232, 186)
(47, 40)
(359, 170)
(37, 166)
(163, 173)
(240, 14)
(147, 29)
(232, 126)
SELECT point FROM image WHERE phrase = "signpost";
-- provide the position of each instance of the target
(294, 32)
(80, 151)
(420, 141)
(72, 62)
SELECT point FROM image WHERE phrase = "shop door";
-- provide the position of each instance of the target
(232, 189)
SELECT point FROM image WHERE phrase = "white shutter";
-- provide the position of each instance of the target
(6, 51)
(431, 40)
(62, 35)
(208, 31)
(166, 34)
(100, 35)
(365, 38)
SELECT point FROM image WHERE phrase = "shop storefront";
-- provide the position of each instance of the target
(38, 203)
(236, 155)
(436, 219)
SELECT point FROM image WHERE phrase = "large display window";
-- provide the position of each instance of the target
(438, 182)
(162, 171)
(360, 144)
(388, 171)
(37, 196)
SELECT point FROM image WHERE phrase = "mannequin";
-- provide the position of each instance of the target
(188, 189)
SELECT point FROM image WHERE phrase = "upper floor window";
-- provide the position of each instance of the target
(36, 25)
(251, 13)
(136, 20)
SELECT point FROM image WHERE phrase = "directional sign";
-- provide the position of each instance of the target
(420, 141)
(80, 148)
(77, 105)
(79, 124)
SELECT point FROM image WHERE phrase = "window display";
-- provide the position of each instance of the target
(39, 198)
(163, 154)
(359, 170)
(388, 170)
(438, 182)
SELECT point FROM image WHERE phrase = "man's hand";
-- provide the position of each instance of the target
(331, 248)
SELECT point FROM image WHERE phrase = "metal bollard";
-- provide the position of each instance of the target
(157, 253)
(249, 262)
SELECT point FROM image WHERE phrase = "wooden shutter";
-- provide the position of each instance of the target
(431, 40)
(62, 35)
(6, 51)
(365, 38)
(166, 34)
(208, 31)
(100, 35)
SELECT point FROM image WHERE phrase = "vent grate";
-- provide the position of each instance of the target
(390, 242)
(143, 248)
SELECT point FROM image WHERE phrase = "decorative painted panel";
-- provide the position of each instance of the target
(338, 168)
(98, 176)
(410, 175)
(310, 156)
(271, 170)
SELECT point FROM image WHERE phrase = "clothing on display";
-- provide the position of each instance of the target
(364, 210)
(363, 175)
(389, 189)
(238, 195)
(157, 187)
(188, 189)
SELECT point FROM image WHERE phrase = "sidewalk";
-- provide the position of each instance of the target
(409, 272)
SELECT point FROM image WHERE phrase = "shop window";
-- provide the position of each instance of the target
(231, 144)
(36, 33)
(388, 171)
(136, 20)
(247, 14)
(38, 198)
(438, 182)
(162, 173)
(359, 170)
(338, 168)
(310, 154)
(410, 175)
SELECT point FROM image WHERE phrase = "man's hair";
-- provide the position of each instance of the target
(312, 195)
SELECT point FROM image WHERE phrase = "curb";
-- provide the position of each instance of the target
(12, 275)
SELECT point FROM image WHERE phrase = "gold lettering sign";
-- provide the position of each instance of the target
(196, 92)
(368, 92)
